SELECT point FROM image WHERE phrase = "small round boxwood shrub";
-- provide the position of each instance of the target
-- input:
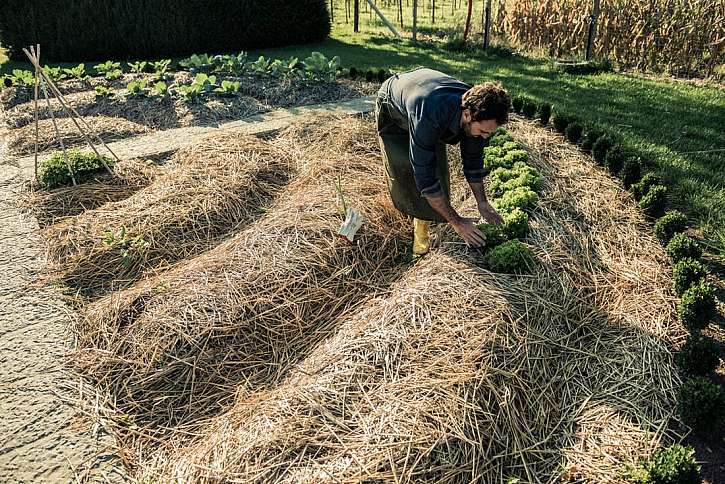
(698, 356)
(522, 197)
(353, 73)
(544, 113)
(589, 137)
(697, 306)
(701, 404)
(641, 188)
(498, 140)
(53, 172)
(683, 247)
(671, 223)
(561, 121)
(615, 157)
(631, 171)
(654, 201)
(671, 465)
(369, 76)
(686, 274)
(511, 257)
(600, 148)
(529, 108)
(517, 103)
(573, 132)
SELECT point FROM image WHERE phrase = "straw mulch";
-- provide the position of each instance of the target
(210, 189)
(176, 348)
(22, 140)
(127, 177)
(282, 356)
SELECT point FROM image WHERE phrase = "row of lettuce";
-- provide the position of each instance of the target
(701, 402)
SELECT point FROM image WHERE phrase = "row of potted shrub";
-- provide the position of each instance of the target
(700, 403)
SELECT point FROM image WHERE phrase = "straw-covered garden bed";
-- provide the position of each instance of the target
(274, 351)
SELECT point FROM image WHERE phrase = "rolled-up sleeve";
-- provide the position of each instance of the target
(424, 134)
(472, 156)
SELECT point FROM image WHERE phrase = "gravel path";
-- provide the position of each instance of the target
(41, 438)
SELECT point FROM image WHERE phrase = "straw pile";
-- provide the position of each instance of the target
(277, 357)
(22, 140)
(127, 177)
(216, 186)
(177, 347)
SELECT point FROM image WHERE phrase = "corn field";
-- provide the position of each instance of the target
(685, 37)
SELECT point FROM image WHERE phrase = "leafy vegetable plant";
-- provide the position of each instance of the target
(137, 67)
(127, 245)
(137, 88)
(228, 88)
(109, 69)
(53, 172)
(523, 198)
(77, 72)
(319, 68)
(22, 77)
(510, 257)
(102, 91)
(199, 63)
(55, 73)
(160, 89)
(160, 68)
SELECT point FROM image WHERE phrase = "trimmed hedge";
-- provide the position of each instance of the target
(102, 29)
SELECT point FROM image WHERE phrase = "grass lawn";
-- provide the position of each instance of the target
(678, 127)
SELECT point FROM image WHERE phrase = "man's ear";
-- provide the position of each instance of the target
(466, 115)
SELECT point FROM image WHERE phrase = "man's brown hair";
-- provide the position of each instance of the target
(488, 101)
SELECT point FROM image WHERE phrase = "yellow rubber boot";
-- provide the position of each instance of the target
(421, 237)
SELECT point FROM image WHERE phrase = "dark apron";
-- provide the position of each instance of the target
(395, 146)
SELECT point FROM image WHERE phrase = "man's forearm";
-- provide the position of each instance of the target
(479, 192)
(442, 206)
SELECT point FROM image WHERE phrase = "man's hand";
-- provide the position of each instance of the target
(466, 228)
(489, 214)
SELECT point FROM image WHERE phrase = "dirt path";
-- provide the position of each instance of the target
(41, 438)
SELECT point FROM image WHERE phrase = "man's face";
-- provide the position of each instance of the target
(477, 129)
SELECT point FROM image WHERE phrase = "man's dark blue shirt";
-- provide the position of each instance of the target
(429, 103)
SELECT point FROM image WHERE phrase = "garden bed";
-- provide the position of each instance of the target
(275, 351)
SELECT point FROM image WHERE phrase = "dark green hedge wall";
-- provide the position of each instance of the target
(75, 30)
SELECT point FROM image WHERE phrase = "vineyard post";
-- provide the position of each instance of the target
(356, 17)
(415, 20)
(487, 28)
(592, 29)
(332, 11)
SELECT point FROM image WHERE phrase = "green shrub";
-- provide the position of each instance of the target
(544, 113)
(672, 465)
(529, 108)
(53, 172)
(498, 140)
(517, 103)
(686, 274)
(641, 188)
(654, 201)
(353, 73)
(98, 29)
(631, 171)
(701, 404)
(671, 223)
(511, 257)
(591, 135)
(615, 157)
(573, 132)
(600, 148)
(681, 247)
(697, 306)
(698, 356)
(561, 121)
(522, 197)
